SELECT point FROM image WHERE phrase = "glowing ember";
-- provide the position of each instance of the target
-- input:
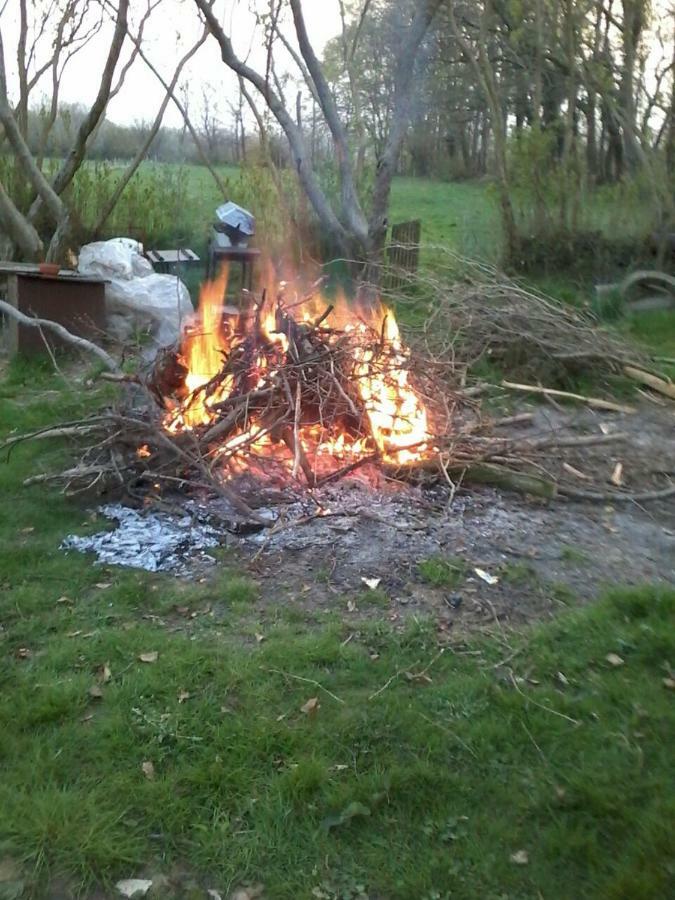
(285, 380)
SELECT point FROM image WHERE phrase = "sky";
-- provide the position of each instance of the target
(171, 30)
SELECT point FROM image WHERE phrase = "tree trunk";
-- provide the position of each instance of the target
(633, 23)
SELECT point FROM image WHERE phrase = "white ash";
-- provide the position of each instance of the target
(154, 541)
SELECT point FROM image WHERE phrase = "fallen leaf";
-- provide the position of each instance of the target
(148, 769)
(150, 657)
(617, 475)
(259, 637)
(520, 858)
(614, 659)
(102, 585)
(134, 887)
(371, 583)
(350, 812)
(562, 678)
(23, 653)
(253, 892)
(95, 692)
(103, 672)
(486, 577)
(67, 600)
(73, 634)
(28, 530)
(214, 895)
(183, 696)
(351, 606)
(669, 683)
(310, 708)
(87, 718)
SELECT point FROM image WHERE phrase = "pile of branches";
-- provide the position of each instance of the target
(301, 378)
(276, 392)
(475, 314)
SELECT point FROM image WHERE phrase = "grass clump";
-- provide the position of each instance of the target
(442, 572)
(519, 573)
(234, 589)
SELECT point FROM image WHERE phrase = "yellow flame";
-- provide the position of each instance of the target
(396, 413)
(398, 418)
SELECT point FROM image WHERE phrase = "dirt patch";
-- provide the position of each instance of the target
(467, 559)
(544, 555)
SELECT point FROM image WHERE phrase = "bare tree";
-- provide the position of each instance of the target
(477, 55)
(142, 151)
(21, 225)
(355, 230)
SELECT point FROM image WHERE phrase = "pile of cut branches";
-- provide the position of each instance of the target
(284, 394)
(474, 313)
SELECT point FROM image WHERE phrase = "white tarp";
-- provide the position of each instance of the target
(138, 300)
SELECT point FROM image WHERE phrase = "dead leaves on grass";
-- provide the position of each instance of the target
(614, 660)
(103, 673)
(311, 707)
(150, 657)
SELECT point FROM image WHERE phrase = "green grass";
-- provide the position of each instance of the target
(460, 215)
(418, 775)
(442, 572)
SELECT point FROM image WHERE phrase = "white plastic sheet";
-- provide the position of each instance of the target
(138, 300)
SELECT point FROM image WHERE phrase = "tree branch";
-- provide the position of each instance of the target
(351, 208)
(21, 232)
(306, 174)
(145, 146)
(65, 335)
(74, 159)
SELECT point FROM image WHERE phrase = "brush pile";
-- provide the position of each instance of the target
(291, 392)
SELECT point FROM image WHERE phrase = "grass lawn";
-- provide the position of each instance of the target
(416, 774)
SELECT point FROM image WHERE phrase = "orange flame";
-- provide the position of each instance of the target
(203, 351)
(398, 419)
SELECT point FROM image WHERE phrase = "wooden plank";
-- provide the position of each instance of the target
(403, 251)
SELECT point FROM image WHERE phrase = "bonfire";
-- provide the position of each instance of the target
(304, 387)
(290, 391)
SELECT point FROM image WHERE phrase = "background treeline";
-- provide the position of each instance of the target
(564, 108)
